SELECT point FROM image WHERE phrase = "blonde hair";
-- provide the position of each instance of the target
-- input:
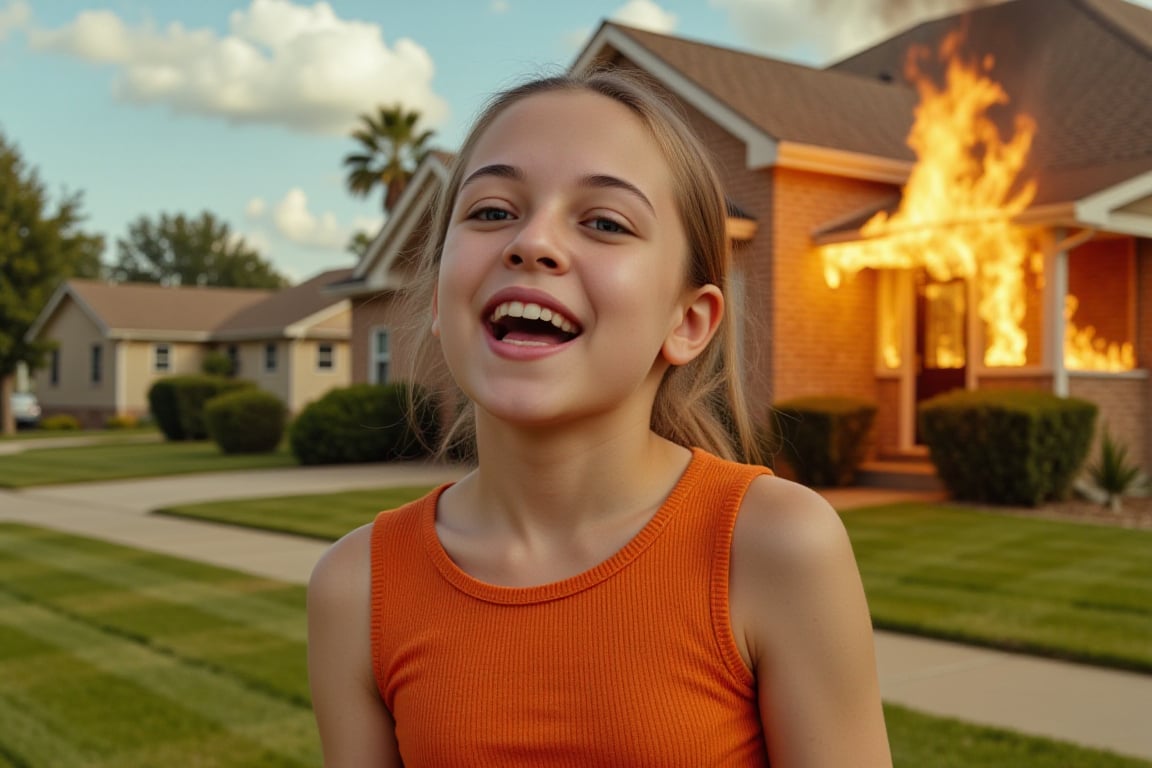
(700, 403)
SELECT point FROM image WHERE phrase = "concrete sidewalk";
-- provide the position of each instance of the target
(1071, 702)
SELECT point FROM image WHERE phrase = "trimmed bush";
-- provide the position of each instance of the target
(126, 421)
(61, 422)
(216, 364)
(177, 403)
(824, 439)
(364, 422)
(245, 421)
(1007, 447)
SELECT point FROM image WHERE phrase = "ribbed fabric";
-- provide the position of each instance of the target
(631, 663)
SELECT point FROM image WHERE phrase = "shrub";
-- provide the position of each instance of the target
(216, 364)
(1113, 474)
(177, 403)
(126, 421)
(61, 422)
(824, 438)
(364, 422)
(1006, 446)
(245, 421)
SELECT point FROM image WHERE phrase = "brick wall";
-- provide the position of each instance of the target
(825, 339)
(1124, 404)
(1100, 275)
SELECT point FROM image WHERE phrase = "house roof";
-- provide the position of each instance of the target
(134, 307)
(792, 102)
(1081, 68)
(149, 311)
(287, 311)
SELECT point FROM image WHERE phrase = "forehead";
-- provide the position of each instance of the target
(578, 131)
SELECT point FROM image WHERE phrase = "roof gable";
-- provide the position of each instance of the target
(289, 311)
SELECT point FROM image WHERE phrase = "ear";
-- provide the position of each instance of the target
(700, 315)
(436, 310)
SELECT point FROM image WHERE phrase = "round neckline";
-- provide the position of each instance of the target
(539, 593)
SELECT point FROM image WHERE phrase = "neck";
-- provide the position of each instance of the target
(561, 478)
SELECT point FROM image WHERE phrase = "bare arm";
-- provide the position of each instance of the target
(356, 728)
(800, 618)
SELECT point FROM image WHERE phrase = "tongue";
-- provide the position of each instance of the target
(525, 337)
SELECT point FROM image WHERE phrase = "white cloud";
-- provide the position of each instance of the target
(499, 6)
(15, 15)
(294, 221)
(645, 14)
(255, 208)
(825, 29)
(369, 225)
(295, 65)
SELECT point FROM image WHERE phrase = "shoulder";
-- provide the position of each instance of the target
(342, 575)
(792, 565)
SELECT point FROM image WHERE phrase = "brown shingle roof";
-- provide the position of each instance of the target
(791, 102)
(1081, 68)
(147, 307)
(284, 307)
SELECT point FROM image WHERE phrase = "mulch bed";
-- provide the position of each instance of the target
(1135, 513)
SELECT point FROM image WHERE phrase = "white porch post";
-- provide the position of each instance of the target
(1056, 266)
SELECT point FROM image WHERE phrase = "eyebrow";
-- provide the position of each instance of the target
(597, 180)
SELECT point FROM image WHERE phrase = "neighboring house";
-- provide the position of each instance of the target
(808, 155)
(114, 340)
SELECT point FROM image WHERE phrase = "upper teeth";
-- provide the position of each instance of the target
(531, 311)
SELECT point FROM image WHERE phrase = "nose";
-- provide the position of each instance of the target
(539, 244)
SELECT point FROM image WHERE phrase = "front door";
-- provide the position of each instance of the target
(941, 338)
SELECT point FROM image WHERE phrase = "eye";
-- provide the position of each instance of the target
(489, 213)
(610, 226)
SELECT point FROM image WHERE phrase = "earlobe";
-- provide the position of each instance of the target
(698, 323)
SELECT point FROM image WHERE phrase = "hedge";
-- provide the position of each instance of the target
(245, 421)
(177, 403)
(824, 438)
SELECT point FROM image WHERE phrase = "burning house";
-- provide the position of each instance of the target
(966, 204)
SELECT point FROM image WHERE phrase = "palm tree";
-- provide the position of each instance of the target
(390, 149)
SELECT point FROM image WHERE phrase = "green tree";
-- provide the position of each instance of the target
(359, 243)
(41, 245)
(391, 146)
(178, 250)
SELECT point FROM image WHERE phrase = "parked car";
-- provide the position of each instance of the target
(25, 409)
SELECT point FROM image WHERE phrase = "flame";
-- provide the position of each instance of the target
(955, 214)
(1084, 351)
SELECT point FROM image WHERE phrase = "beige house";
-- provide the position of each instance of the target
(112, 341)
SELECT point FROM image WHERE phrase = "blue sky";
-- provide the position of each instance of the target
(243, 107)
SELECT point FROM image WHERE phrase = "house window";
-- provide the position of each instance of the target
(162, 358)
(270, 352)
(54, 368)
(234, 359)
(381, 356)
(97, 370)
(1100, 307)
(325, 357)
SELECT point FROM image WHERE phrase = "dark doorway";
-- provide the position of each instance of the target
(941, 337)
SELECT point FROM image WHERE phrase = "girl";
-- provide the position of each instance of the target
(607, 587)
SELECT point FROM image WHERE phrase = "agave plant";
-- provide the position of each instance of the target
(1113, 475)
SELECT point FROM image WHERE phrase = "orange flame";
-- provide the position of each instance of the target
(1085, 351)
(955, 214)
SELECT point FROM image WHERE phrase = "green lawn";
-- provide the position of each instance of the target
(103, 435)
(126, 460)
(322, 516)
(117, 658)
(111, 657)
(1062, 589)
(1067, 590)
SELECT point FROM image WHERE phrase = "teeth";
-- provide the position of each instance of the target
(530, 311)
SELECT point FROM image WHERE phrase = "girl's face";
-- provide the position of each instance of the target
(562, 274)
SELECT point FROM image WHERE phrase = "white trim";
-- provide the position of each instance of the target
(331, 368)
(761, 149)
(300, 329)
(1100, 208)
(1054, 299)
(431, 170)
(156, 356)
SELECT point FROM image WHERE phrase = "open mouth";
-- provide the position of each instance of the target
(530, 324)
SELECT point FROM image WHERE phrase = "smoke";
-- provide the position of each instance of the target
(820, 30)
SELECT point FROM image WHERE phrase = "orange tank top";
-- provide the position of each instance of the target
(631, 663)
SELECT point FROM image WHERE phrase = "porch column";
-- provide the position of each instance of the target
(1056, 267)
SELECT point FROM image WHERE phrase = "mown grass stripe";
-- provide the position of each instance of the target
(107, 693)
(67, 569)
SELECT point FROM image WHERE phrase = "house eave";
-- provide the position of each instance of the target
(838, 162)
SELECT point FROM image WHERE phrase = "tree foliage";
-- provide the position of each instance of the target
(391, 146)
(41, 245)
(178, 250)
